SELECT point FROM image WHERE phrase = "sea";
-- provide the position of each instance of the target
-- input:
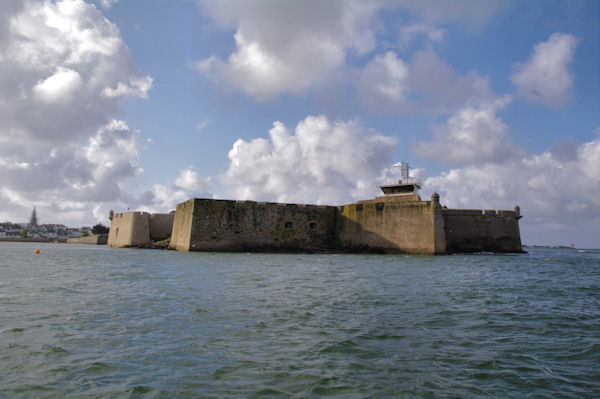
(83, 321)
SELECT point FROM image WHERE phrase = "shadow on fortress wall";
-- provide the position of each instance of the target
(383, 245)
(415, 227)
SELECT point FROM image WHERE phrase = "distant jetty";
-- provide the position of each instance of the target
(396, 222)
(31, 239)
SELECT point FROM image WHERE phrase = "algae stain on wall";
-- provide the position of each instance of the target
(390, 226)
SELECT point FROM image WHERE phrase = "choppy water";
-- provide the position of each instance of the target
(87, 321)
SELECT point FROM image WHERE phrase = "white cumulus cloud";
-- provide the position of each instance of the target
(426, 84)
(558, 196)
(320, 161)
(545, 78)
(65, 69)
(58, 87)
(472, 136)
(164, 198)
(286, 46)
(138, 87)
(386, 79)
(410, 32)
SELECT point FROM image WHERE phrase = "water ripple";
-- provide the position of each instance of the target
(85, 321)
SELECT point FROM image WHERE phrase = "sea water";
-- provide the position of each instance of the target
(88, 321)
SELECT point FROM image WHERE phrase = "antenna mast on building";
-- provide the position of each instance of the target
(404, 173)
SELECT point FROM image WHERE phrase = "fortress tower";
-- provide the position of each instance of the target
(406, 190)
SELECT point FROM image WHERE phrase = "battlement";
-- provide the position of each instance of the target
(479, 212)
(383, 224)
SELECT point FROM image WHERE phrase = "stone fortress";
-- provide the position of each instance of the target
(396, 222)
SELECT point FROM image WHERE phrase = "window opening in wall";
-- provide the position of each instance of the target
(289, 225)
(312, 226)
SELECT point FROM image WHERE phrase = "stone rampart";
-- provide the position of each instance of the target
(93, 239)
(223, 225)
(129, 229)
(137, 229)
(420, 227)
(391, 227)
(161, 225)
(477, 231)
(182, 226)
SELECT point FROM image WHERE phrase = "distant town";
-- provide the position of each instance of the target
(46, 232)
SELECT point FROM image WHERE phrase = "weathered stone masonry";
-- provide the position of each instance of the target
(221, 225)
(135, 229)
(396, 223)
(421, 227)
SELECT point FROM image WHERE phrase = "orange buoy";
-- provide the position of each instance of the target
(37, 251)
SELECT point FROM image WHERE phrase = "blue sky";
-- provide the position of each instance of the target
(143, 104)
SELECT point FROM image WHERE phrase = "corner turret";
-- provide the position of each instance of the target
(518, 212)
(435, 200)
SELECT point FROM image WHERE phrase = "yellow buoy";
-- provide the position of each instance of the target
(37, 251)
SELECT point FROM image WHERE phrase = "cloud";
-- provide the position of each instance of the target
(287, 47)
(409, 32)
(70, 180)
(138, 87)
(164, 198)
(427, 84)
(290, 47)
(65, 69)
(321, 161)
(385, 80)
(559, 197)
(108, 3)
(202, 124)
(545, 77)
(58, 87)
(472, 13)
(472, 136)
(189, 181)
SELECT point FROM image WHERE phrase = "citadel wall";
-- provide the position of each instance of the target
(128, 230)
(93, 239)
(160, 225)
(391, 227)
(419, 227)
(182, 226)
(223, 225)
(135, 229)
(477, 231)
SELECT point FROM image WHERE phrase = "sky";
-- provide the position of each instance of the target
(140, 105)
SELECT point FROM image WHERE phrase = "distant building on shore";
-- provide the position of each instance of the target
(33, 229)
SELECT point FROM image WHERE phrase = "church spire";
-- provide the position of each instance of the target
(33, 221)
